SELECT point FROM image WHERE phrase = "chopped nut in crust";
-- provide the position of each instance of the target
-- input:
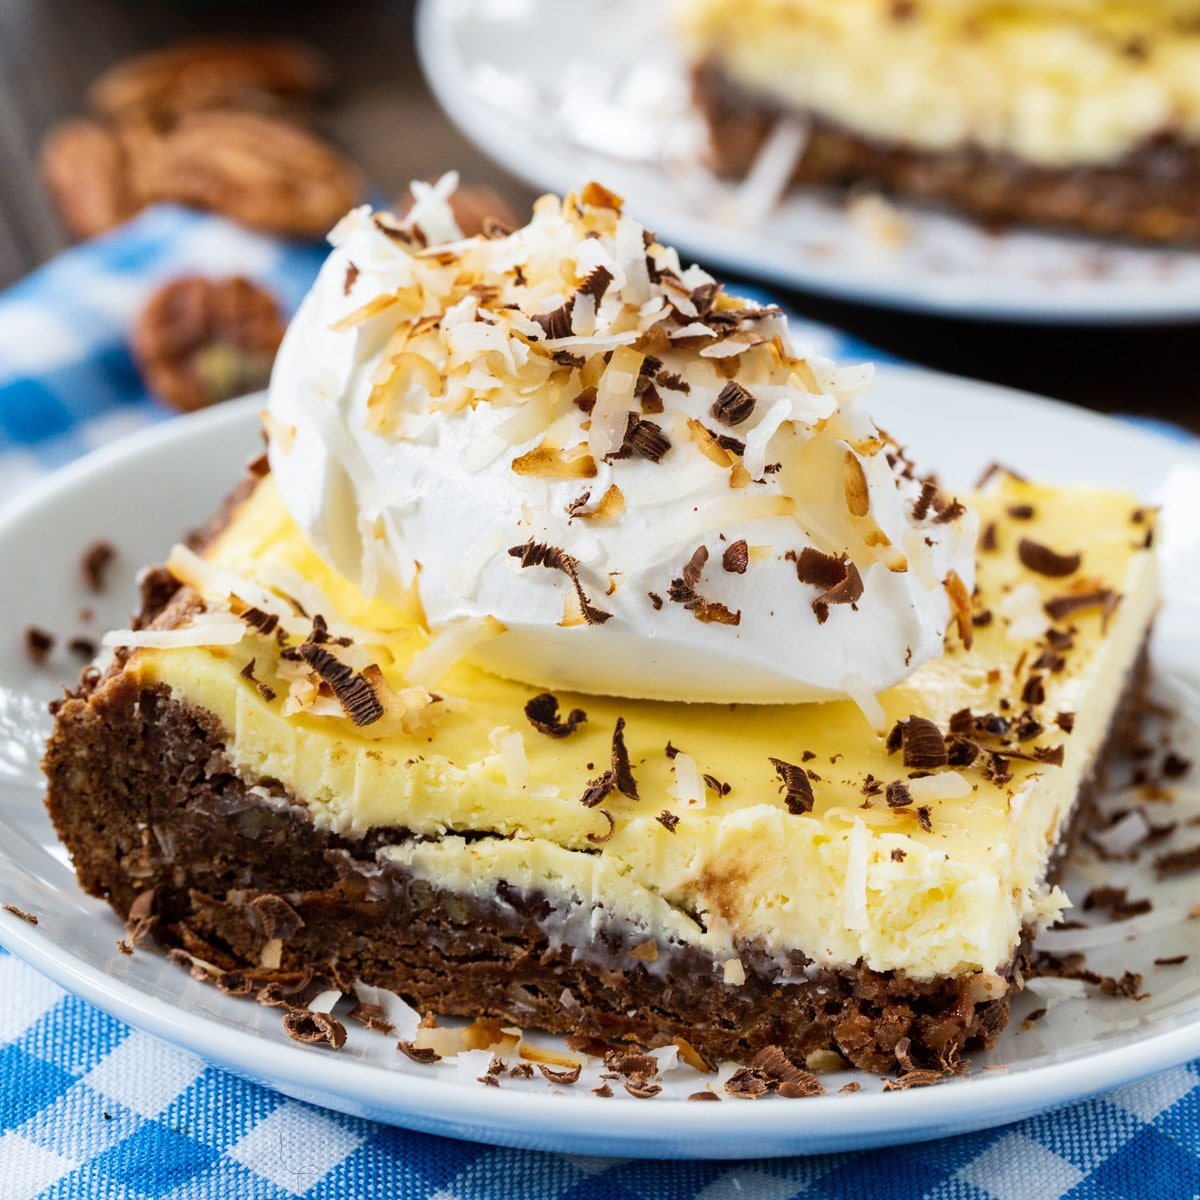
(199, 341)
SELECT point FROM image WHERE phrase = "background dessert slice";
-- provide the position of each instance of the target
(1079, 116)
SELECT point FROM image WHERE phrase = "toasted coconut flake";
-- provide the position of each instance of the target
(279, 433)
(449, 645)
(510, 746)
(858, 852)
(615, 399)
(945, 785)
(226, 631)
(854, 484)
(549, 462)
(688, 785)
(960, 608)
(758, 439)
(733, 973)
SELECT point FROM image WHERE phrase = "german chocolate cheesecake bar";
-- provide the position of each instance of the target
(583, 657)
(1081, 114)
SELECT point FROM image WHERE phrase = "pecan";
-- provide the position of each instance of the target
(255, 169)
(84, 169)
(210, 73)
(199, 341)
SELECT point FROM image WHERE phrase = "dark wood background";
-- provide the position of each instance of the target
(385, 117)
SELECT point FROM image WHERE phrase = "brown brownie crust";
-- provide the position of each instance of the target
(142, 794)
(1152, 195)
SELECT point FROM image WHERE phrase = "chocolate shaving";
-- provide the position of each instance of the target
(1034, 691)
(596, 284)
(557, 322)
(736, 557)
(734, 404)
(425, 1055)
(703, 1096)
(988, 540)
(247, 672)
(84, 647)
(924, 819)
(315, 1029)
(897, 794)
(924, 502)
(1065, 721)
(566, 1075)
(1116, 902)
(836, 575)
(277, 917)
(683, 591)
(643, 1089)
(352, 273)
(598, 789)
(234, 983)
(797, 789)
(264, 622)
(603, 1091)
(1174, 961)
(1176, 862)
(1021, 512)
(599, 839)
(352, 690)
(371, 1016)
(29, 918)
(918, 1077)
(553, 558)
(622, 772)
(1175, 766)
(38, 644)
(922, 742)
(1044, 561)
(789, 1080)
(1060, 607)
(542, 712)
(94, 563)
(668, 820)
(672, 382)
(747, 1084)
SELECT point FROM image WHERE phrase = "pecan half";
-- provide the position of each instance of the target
(255, 169)
(85, 171)
(210, 73)
(199, 341)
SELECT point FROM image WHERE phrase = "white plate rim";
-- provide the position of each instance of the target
(713, 244)
(664, 1127)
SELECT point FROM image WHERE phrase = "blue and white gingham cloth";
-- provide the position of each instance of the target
(92, 1110)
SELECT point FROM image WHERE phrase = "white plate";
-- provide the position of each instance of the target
(143, 492)
(563, 91)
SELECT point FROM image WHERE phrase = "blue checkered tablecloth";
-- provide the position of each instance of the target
(92, 1109)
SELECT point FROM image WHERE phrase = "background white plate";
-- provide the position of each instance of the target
(563, 91)
(143, 492)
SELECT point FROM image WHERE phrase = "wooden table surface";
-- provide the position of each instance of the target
(385, 117)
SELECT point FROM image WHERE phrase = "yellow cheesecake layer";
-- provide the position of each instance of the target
(938, 887)
(1054, 82)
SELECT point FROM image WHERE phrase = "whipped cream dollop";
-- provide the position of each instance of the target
(587, 467)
